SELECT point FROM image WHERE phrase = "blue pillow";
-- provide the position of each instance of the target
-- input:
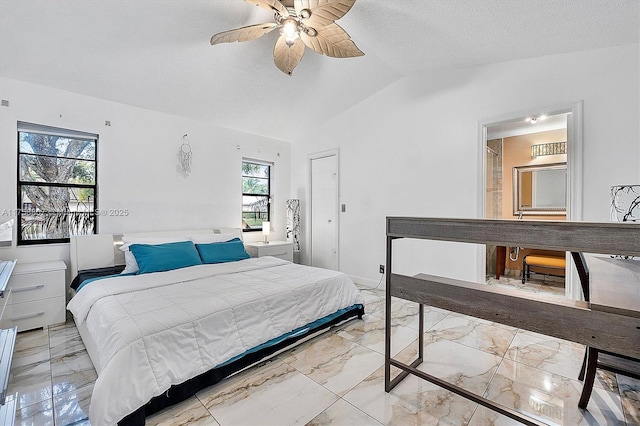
(165, 257)
(228, 251)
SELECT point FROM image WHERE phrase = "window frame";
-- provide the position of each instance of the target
(249, 194)
(24, 127)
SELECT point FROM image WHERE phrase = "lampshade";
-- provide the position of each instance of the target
(266, 230)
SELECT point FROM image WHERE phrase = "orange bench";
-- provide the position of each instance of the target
(542, 261)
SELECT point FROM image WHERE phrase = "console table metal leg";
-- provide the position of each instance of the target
(387, 326)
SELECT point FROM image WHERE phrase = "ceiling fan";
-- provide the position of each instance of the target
(301, 23)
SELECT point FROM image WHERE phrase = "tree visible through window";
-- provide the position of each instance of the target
(56, 184)
(256, 190)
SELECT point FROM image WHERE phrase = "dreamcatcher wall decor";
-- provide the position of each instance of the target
(185, 155)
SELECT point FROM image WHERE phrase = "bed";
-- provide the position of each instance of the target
(158, 336)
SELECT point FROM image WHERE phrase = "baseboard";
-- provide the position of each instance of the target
(380, 284)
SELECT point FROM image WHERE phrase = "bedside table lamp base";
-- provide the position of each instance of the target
(266, 230)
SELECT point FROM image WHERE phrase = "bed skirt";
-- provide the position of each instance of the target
(183, 391)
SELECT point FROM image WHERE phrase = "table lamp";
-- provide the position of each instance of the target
(266, 230)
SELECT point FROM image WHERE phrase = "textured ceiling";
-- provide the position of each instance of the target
(155, 54)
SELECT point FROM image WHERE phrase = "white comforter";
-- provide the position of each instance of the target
(156, 330)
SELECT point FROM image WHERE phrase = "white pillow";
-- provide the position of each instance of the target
(131, 266)
(213, 238)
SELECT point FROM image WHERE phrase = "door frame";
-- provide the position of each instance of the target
(574, 177)
(316, 156)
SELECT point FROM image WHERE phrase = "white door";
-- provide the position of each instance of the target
(324, 212)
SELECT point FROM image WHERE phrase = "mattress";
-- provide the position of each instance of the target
(149, 332)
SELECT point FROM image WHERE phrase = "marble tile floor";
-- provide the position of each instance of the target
(543, 284)
(337, 378)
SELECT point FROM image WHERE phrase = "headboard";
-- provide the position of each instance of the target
(101, 250)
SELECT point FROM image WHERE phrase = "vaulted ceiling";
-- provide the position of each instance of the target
(155, 54)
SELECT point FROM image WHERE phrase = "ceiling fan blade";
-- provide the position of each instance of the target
(323, 12)
(272, 5)
(287, 57)
(243, 34)
(332, 41)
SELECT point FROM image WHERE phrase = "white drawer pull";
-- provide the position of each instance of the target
(33, 287)
(27, 316)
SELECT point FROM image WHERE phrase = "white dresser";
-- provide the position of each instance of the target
(281, 249)
(37, 296)
(7, 344)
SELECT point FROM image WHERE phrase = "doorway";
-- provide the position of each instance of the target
(516, 152)
(323, 184)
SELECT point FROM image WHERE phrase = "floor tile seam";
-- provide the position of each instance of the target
(53, 408)
(375, 314)
(322, 410)
(485, 394)
(366, 347)
(15, 359)
(34, 349)
(475, 410)
(489, 353)
(349, 389)
(473, 347)
(53, 404)
(206, 408)
(433, 326)
(51, 346)
(625, 412)
(542, 369)
(20, 408)
(624, 416)
(546, 340)
(634, 390)
(337, 397)
(362, 411)
(77, 390)
(44, 401)
(564, 377)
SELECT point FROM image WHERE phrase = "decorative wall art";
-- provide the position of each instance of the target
(293, 223)
(625, 203)
(185, 156)
(625, 206)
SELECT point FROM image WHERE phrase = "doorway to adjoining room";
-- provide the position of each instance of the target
(526, 179)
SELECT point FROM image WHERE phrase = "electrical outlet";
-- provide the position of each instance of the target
(382, 269)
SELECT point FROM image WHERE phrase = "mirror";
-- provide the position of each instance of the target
(540, 189)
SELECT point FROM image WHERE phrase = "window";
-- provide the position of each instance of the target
(57, 192)
(256, 191)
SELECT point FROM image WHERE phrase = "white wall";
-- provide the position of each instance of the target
(412, 149)
(137, 165)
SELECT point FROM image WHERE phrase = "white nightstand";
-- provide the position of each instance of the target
(37, 297)
(281, 249)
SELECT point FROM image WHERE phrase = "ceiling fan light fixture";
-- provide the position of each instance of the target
(290, 30)
(300, 27)
(310, 31)
(304, 14)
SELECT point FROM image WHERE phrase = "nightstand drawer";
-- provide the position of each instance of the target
(282, 251)
(34, 314)
(36, 286)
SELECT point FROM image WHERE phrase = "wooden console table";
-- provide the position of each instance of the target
(604, 323)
